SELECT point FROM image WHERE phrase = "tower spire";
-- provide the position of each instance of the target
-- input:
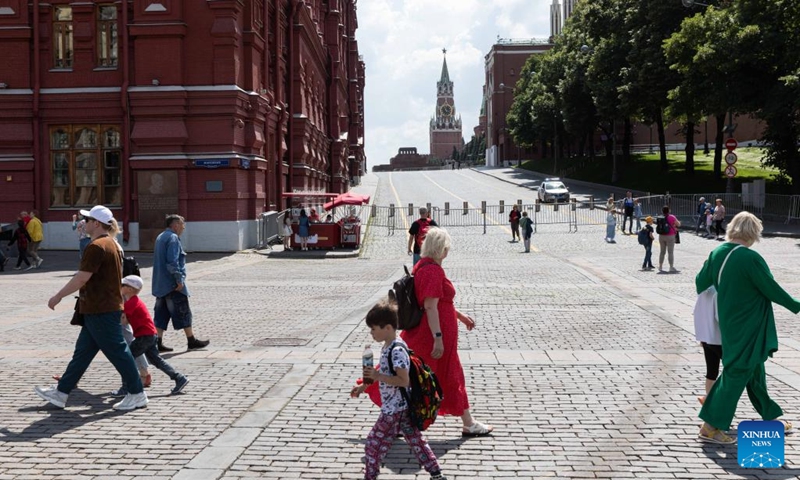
(445, 74)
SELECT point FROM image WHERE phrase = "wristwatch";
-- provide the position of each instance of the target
(438, 335)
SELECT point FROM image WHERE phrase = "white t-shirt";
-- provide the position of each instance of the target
(392, 400)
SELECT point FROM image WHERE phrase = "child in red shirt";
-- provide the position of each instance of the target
(144, 331)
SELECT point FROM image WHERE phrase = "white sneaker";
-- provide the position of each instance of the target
(132, 401)
(52, 395)
(39, 262)
(31, 267)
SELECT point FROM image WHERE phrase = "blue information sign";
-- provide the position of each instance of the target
(212, 163)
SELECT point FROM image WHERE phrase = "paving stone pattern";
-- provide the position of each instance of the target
(586, 366)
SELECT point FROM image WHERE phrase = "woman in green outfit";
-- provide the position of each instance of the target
(745, 294)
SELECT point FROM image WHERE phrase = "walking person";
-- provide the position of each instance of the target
(746, 291)
(666, 240)
(303, 227)
(101, 305)
(709, 222)
(34, 227)
(417, 233)
(702, 206)
(646, 238)
(627, 209)
(22, 238)
(526, 224)
(637, 213)
(435, 339)
(719, 217)
(79, 227)
(169, 285)
(611, 226)
(513, 219)
(394, 418)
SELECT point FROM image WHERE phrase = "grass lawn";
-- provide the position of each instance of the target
(644, 171)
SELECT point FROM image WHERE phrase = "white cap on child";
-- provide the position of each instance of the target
(133, 281)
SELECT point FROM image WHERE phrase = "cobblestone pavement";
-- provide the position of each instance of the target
(586, 366)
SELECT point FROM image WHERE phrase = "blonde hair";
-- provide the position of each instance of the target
(437, 242)
(744, 227)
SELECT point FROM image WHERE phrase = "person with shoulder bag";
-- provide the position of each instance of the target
(667, 240)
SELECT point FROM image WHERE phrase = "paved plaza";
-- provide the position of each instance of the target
(586, 366)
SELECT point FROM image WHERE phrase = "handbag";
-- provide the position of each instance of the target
(677, 236)
(706, 318)
(77, 316)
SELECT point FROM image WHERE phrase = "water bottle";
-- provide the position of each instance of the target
(367, 361)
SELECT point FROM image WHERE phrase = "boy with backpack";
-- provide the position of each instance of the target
(417, 232)
(395, 418)
(646, 240)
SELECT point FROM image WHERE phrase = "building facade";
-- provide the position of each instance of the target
(445, 125)
(502, 66)
(150, 107)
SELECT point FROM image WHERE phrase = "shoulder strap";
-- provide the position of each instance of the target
(389, 357)
(719, 277)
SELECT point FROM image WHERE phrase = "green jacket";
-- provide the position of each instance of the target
(744, 304)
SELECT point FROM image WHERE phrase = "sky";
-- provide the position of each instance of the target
(402, 41)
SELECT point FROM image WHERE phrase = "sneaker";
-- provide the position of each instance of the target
(715, 435)
(17, 268)
(52, 395)
(31, 267)
(180, 382)
(120, 392)
(132, 401)
(162, 347)
(438, 476)
(39, 262)
(195, 344)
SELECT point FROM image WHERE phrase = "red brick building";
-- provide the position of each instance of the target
(445, 126)
(150, 107)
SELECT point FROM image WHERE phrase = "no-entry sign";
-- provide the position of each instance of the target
(731, 144)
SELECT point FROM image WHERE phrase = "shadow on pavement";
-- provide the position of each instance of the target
(403, 455)
(725, 456)
(61, 420)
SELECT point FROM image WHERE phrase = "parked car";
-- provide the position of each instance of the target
(553, 190)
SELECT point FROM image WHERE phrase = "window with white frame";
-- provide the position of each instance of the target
(107, 29)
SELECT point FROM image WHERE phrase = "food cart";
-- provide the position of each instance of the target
(350, 225)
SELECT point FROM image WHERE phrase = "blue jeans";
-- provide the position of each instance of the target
(610, 231)
(648, 256)
(101, 331)
(416, 258)
(175, 306)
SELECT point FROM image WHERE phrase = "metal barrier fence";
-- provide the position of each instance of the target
(768, 207)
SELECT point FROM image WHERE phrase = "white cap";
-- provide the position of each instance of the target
(133, 281)
(702, 199)
(99, 213)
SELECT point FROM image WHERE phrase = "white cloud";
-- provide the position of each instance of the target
(401, 41)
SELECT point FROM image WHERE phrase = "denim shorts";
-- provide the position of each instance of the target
(175, 306)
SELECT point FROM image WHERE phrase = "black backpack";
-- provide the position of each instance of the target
(644, 236)
(662, 227)
(130, 267)
(409, 313)
(424, 395)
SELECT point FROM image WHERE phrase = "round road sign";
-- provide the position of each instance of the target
(730, 158)
(731, 144)
(730, 171)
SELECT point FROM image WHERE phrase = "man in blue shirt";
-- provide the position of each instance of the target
(627, 208)
(169, 285)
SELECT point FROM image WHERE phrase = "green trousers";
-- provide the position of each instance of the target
(720, 405)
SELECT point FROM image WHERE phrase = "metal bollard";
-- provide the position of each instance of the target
(574, 205)
(391, 209)
(466, 208)
(591, 202)
(502, 206)
(483, 207)
(555, 206)
(537, 206)
(447, 208)
(374, 211)
(519, 202)
(410, 209)
(428, 206)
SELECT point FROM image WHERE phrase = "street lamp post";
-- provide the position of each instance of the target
(555, 145)
(614, 152)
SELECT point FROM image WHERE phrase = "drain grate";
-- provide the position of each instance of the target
(281, 342)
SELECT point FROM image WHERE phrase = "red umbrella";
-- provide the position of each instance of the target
(347, 199)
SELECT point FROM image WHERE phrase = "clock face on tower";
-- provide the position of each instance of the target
(446, 110)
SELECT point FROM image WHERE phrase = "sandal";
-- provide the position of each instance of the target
(477, 429)
(715, 435)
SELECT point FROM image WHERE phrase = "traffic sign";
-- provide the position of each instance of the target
(730, 158)
(730, 171)
(731, 144)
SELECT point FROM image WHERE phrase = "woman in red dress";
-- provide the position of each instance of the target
(436, 337)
